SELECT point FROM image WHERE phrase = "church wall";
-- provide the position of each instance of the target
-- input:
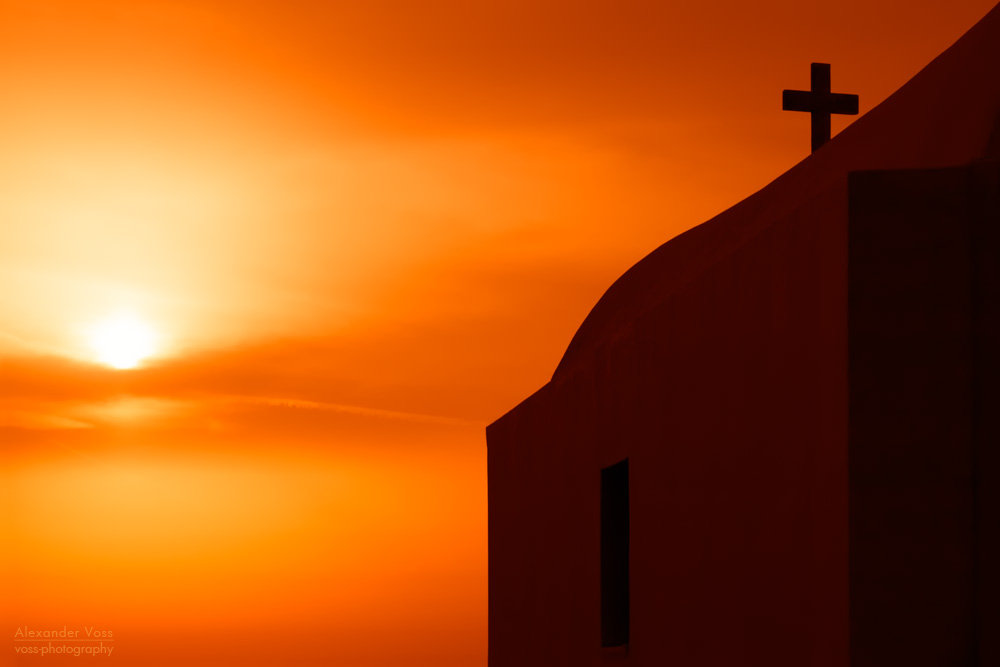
(986, 411)
(729, 399)
(923, 437)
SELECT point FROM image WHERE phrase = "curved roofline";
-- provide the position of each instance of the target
(918, 126)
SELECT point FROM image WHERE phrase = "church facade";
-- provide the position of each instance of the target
(774, 441)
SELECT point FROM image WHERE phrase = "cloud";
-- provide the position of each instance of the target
(17, 419)
(340, 408)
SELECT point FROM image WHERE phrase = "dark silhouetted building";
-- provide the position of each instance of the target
(774, 441)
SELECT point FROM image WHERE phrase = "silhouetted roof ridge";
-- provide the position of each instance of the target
(946, 115)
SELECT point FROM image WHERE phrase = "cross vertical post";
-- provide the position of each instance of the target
(819, 84)
(820, 103)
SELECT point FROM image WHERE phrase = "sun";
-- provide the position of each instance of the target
(122, 341)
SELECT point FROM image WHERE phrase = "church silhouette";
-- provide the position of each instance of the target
(774, 440)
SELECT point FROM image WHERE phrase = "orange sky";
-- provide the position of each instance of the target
(361, 231)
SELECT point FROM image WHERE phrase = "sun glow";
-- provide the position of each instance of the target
(122, 342)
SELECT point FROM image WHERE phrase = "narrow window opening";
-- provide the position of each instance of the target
(614, 555)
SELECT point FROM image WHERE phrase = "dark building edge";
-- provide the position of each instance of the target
(923, 437)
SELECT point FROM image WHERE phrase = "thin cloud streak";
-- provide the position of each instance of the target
(352, 410)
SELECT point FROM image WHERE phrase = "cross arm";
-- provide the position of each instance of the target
(806, 100)
(797, 100)
(844, 104)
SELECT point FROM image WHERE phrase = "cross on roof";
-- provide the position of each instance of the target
(820, 102)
